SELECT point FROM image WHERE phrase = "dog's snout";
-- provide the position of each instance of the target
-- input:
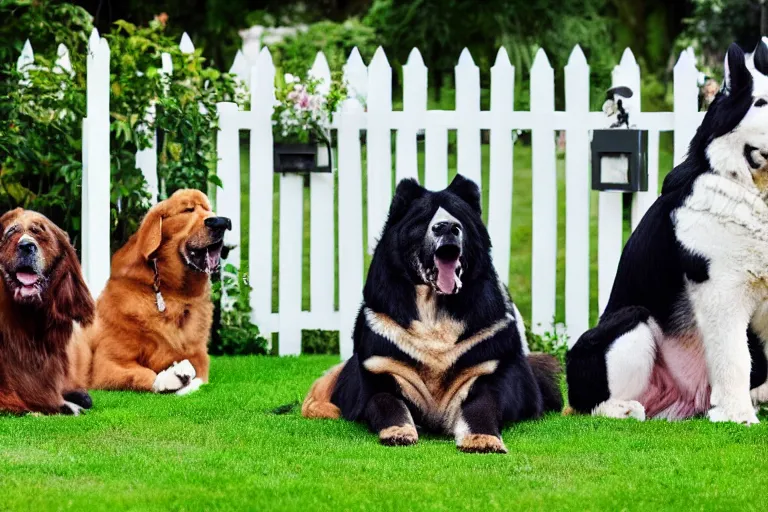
(218, 223)
(26, 246)
(447, 228)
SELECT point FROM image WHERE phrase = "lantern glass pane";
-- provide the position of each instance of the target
(614, 168)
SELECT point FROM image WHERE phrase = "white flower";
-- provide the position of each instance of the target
(289, 78)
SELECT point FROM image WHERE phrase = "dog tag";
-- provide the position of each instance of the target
(160, 302)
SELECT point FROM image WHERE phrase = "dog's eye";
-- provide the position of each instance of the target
(189, 210)
(35, 230)
(761, 103)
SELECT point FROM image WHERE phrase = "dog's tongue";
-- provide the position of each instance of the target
(26, 278)
(212, 257)
(446, 275)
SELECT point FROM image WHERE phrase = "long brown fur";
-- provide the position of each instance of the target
(34, 363)
(318, 404)
(131, 341)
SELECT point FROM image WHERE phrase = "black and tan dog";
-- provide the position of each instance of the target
(437, 342)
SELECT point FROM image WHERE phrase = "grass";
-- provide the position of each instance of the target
(224, 449)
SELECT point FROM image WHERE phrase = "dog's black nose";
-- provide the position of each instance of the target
(27, 247)
(447, 228)
(220, 223)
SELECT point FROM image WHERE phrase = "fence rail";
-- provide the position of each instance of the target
(378, 120)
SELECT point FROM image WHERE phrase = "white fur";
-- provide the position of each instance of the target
(76, 409)
(520, 329)
(727, 223)
(630, 361)
(460, 430)
(620, 409)
(174, 377)
(193, 386)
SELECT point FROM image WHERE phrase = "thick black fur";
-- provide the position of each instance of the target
(653, 268)
(513, 393)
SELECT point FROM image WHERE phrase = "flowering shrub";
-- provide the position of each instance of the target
(303, 111)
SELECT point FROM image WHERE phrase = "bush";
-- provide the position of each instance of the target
(296, 54)
(236, 334)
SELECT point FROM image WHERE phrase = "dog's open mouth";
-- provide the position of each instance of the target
(447, 274)
(27, 284)
(205, 259)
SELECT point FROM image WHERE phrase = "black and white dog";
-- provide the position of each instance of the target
(438, 343)
(686, 325)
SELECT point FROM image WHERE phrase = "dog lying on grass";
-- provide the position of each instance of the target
(42, 295)
(154, 318)
(438, 343)
(685, 330)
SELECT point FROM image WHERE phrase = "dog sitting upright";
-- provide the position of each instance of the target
(42, 295)
(685, 329)
(437, 342)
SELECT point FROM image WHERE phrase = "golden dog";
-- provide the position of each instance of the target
(154, 317)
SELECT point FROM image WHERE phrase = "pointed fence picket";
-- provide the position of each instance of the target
(369, 110)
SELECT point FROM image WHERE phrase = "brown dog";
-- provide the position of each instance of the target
(156, 309)
(42, 294)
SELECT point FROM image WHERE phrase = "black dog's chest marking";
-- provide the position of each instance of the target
(432, 340)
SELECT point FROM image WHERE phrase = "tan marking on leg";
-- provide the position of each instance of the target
(318, 402)
(403, 435)
(482, 443)
(411, 384)
(457, 392)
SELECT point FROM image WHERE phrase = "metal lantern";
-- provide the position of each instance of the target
(620, 160)
(300, 158)
(619, 155)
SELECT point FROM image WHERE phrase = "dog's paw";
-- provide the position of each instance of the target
(70, 409)
(620, 409)
(399, 436)
(741, 415)
(175, 377)
(79, 397)
(482, 443)
(193, 386)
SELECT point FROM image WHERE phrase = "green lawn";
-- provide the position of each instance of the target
(224, 449)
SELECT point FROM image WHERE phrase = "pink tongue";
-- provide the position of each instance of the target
(27, 278)
(212, 258)
(446, 275)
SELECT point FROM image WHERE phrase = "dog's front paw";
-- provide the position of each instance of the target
(175, 377)
(482, 443)
(193, 386)
(70, 409)
(399, 436)
(742, 415)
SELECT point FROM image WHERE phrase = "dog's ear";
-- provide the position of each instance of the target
(8, 217)
(467, 190)
(70, 297)
(761, 57)
(150, 233)
(408, 191)
(737, 76)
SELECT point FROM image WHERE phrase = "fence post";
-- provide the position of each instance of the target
(379, 145)
(414, 109)
(501, 172)
(686, 104)
(544, 257)
(261, 192)
(96, 171)
(468, 108)
(610, 219)
(321, 223)
(577, 191)
(228, 171)
(350, 217)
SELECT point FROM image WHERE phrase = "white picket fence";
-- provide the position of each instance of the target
(378, 119)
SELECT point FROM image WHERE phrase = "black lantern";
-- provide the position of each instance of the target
(300, 158)
(619, 155)
(620, 160)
